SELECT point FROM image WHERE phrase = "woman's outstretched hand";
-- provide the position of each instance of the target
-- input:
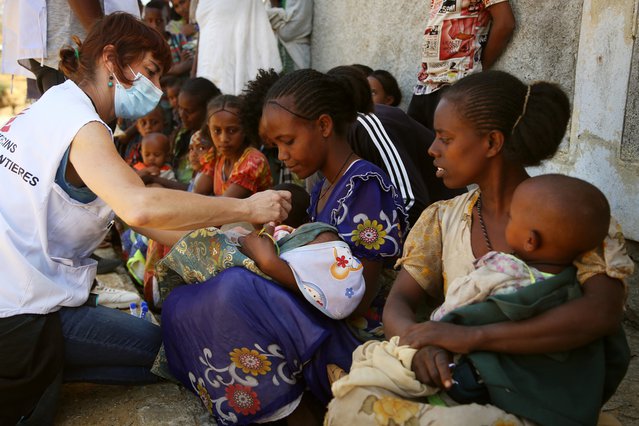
(269, 206)
(454, 338)
(431, 365)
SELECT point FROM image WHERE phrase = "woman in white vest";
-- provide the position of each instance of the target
(62, 181)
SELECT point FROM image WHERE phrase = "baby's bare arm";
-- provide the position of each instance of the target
(262, 250)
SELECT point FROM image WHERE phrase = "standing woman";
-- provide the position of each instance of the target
(249, 346)
(65, 180)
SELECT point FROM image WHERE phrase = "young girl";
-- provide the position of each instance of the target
(238, 169)
(201, 152)
(384, 88)
(192, 100)
(266, 342)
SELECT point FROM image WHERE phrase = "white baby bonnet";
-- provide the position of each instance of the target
(329, 276)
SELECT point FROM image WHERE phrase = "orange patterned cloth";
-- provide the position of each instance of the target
(251, 171)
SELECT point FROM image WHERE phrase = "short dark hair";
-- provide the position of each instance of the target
(584, 210)
(356, 85)
(533, 118)
(169, 80)
(200, 89)
(364, 69)
(389, 83)
(156, 4)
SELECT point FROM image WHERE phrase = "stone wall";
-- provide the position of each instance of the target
(587, 46)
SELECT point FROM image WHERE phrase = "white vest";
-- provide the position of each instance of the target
(45, 236)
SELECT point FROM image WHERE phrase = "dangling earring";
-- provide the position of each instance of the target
(110, 83)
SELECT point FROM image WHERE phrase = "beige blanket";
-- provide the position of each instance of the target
(381, 389)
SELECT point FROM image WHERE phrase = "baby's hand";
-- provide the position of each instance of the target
(153, 170)
(149, 170)
(259, 246)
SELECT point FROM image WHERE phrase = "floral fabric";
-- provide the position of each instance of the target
(219, 334)
(366, 210)
(251, 171)
(381, 389)
(248, 347)
(198, 256)
(369, 215)
(495, 273)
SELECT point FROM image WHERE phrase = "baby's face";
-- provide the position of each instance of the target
(155, 150)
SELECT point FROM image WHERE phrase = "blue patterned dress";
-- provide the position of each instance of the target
(248, 347)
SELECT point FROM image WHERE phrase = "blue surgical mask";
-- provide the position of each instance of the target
(138, 100)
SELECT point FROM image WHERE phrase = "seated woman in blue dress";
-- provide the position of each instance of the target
(250, 347)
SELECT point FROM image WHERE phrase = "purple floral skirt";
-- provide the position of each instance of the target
(249, 347)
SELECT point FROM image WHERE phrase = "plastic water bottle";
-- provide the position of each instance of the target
(133, 309)
(144, 310)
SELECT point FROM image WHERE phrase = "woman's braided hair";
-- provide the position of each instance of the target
(357, 85)
(533, 119)
(313, 94)
(253, 101)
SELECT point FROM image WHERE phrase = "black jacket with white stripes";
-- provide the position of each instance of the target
(397, 144)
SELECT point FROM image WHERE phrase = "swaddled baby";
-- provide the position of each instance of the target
(311, 260)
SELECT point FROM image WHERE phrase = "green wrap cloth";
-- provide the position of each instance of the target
(565, 388)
